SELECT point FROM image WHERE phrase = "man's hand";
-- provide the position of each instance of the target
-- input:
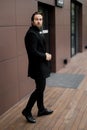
(48, 56)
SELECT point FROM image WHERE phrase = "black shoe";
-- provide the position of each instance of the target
(28, 116)
(45, 112)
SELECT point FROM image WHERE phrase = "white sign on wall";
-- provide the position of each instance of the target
(59, 3)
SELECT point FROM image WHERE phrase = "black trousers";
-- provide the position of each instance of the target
(37, 95)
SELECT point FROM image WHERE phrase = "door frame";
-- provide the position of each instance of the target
(51, 10)
(78, 30)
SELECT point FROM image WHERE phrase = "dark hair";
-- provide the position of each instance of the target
(36, 13)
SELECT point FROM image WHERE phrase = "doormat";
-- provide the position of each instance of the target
(64, 80)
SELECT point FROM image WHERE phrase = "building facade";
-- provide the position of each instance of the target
(65, 29)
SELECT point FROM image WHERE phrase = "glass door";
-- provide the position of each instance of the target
(75, 27)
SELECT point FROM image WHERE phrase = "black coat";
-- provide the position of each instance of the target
(36, 48)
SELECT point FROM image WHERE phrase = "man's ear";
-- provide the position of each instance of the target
(32, 22)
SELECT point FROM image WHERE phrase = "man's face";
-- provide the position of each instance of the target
(38, 20)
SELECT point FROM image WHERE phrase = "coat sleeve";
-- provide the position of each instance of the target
(31, 43)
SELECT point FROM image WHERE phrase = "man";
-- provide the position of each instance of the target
(38, 66)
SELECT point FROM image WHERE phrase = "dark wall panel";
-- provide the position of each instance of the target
(62, 34)
(20, 34)
(7, 12)
(8, 45)
(24, 10)
(9, 90)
